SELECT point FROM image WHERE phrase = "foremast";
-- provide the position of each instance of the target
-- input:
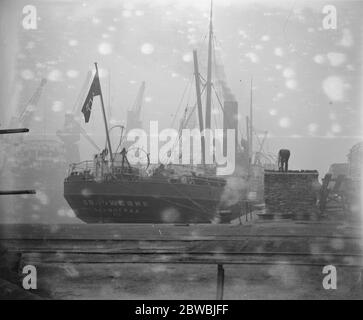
(208, 115)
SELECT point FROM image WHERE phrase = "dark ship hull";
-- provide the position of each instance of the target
(147, 201)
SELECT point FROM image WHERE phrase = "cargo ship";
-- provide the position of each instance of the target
(108, 189)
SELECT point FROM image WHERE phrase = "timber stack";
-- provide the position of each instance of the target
(291, 194)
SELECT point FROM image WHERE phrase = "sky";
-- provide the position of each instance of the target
(306, 79)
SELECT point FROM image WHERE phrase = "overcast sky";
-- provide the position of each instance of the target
(307, 80)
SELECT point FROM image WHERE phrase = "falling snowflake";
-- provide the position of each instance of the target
(291, 84)
(147, 48)
(312, 128)
(30, 45)
(336, 128)
(336, 59)
(27, 74)
(278, 52)
(139, 13)
(285, 122)
(73, 42)
(288, 73)
(319, 59)
(126, 13)
(243, 34)
(334, 88)
(187, 57)
(252, 56)
(72, 73)
(104, 48)
(148, 99)
(55, 75)
(57, 106)
(347, 39)
(42, 197)
(96, 20)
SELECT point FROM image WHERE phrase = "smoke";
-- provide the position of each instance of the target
(233, 191)
(236, 186)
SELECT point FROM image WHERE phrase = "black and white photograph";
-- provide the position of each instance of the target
(198, 151)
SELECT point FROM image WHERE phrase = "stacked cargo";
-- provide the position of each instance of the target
(291, 194)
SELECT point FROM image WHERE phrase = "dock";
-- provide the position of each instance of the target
(281, 259)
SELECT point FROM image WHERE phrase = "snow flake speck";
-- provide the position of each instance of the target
(147, 48)
(285, 122)
(27, 74)
(104, 48)
(187, 57)
(55, 75)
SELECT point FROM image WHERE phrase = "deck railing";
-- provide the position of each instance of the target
(102, 170)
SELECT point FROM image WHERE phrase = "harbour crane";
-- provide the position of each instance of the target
(27, 113)
(257, 160)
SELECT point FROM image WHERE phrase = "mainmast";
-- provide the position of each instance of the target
(209, 73)
(199, 104)
(248, 141)
(251, 121)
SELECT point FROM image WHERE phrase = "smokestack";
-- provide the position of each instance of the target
(230, 121)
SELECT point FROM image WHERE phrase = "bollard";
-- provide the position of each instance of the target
(220, 282)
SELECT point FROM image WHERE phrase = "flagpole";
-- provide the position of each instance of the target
(105, 119)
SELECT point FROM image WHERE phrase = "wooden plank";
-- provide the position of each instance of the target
(198, 258)
(247, 244)
(193, 232)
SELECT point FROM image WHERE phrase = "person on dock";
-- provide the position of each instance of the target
(283, 159)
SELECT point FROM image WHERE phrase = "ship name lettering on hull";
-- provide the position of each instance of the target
(114, 203)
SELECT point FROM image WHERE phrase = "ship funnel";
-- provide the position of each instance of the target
(230, 121)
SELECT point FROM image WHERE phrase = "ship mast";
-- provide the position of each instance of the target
(248, 141)
(199, 104)
(105, 120)
(251, 122)
(209, 74)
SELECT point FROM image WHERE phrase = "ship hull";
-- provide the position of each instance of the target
(147, 202)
